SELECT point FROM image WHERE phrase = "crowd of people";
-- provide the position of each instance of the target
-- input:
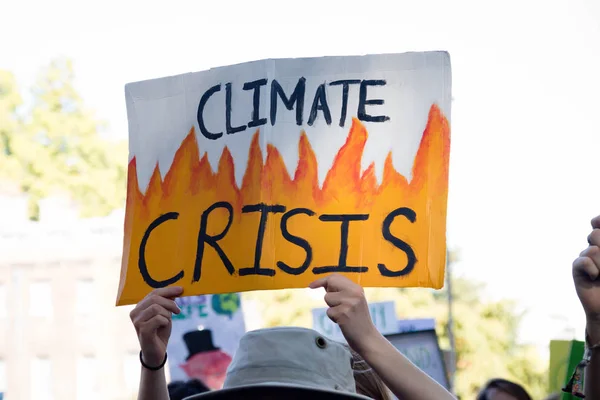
(298, 363)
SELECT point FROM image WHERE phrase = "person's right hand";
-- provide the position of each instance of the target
(152, 321)
(586, 275)
(349, 309)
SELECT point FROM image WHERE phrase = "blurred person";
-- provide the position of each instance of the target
(586, 276)
(502, 389)
(367, 381)
(294, 363)
(179, 390)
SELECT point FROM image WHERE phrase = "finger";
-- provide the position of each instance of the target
(151, 312)
(169, 292)
(334, 299)
(319, 283)
(585, 267)
(158, 321)
(155, 299)
(593, 253)
(596, 222)
(333, 283)
(333, 314)
(594, 238)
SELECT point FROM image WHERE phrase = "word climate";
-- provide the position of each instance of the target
(294, 101)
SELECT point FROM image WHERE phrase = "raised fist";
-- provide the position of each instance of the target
(586, 275)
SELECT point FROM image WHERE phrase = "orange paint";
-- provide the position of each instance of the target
(190, 187)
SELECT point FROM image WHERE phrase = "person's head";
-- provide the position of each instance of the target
(179, 390)
(288, 363)
(501, 389)
(368, 383)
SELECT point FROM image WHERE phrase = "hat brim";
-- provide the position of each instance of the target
(276, 391)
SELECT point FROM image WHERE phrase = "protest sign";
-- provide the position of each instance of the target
(565, 355)
(273, 173)
(204, 337)
(415, 325)
(383, 315)
(422, 348)
(559, 364)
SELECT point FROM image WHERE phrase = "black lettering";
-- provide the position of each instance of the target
(230, 129)
(363, 102)
(297, 98)
(320, 103)
(204, 237)
(298, 241)
(207, 134)
(262, 225)
(345, 89)
(142, 256)
(342, 264)
(405, 247)
(255, 85)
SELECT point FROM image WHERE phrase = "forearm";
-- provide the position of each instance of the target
(592, 373)
(153, 385)
(401, 376)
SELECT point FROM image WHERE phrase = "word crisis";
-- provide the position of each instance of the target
(345, 220)
(292, 101)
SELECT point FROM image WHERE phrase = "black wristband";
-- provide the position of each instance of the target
(153, 368)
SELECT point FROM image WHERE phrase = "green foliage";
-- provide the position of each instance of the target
(485, 332)
(52, 146)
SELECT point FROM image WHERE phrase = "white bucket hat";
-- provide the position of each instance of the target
(287, 363)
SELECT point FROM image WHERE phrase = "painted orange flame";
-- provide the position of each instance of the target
(190, 187)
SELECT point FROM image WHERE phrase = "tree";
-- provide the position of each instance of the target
(485, 332)
(52, 145)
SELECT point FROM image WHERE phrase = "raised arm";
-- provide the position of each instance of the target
(586, 275)
(349, 309)
(152, 321)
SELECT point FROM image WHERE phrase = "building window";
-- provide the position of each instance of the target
(41, 379)
(3, 307)
(87, 387)
(131, 372)
(85, 295)
(40, 299)
(2, 376)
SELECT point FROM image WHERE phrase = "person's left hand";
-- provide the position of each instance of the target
(349, 309)
(151, 318)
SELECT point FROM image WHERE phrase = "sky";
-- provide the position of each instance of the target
(525, 134)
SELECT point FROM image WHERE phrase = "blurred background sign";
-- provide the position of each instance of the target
(383, 315)
(413, 325)
(205, 337)
(564, 357)
(422, 348)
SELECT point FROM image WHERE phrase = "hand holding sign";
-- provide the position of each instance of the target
(586, 275)
(349, 309)
(152, 321)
